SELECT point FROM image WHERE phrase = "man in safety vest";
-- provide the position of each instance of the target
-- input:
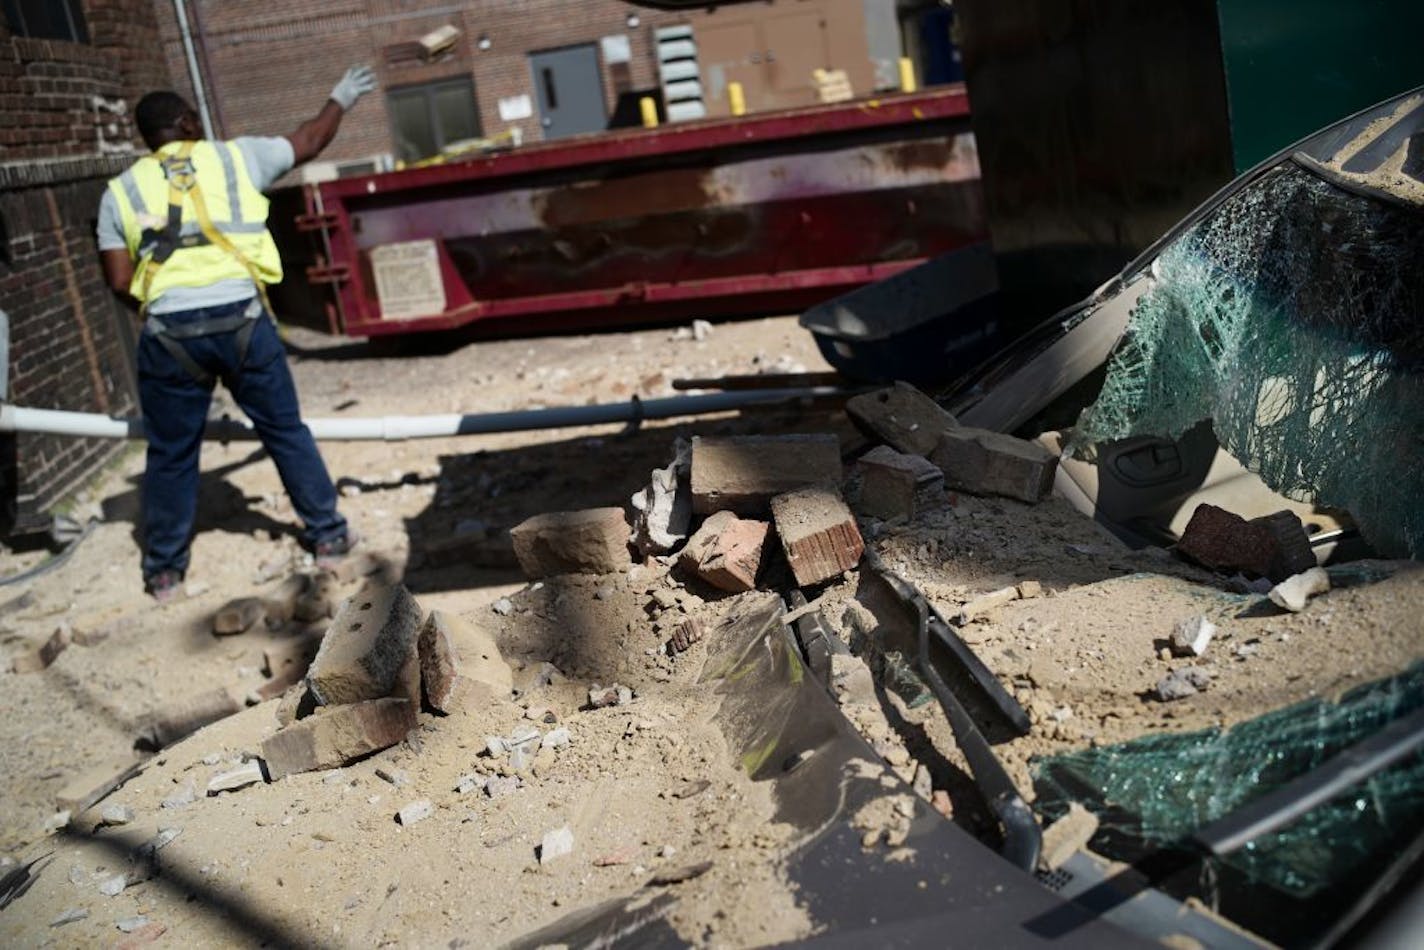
(183, 233)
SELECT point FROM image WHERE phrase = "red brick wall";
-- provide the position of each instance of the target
(64, 131)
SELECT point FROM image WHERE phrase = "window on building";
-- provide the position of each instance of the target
(47, 19)
(428, 118)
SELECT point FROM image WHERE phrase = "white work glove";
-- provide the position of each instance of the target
(358, 81)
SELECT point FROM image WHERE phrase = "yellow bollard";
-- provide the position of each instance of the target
(735, 97)
(650, 112)
(907, 75)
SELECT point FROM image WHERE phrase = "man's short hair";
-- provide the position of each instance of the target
(159, 112)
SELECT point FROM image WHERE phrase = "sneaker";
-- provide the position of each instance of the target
(330, 552)
(164, 585)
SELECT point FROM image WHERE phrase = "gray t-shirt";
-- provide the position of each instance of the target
(267, 158)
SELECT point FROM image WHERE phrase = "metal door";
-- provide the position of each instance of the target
(570, 91)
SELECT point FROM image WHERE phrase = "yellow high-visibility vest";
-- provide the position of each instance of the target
(235, 209)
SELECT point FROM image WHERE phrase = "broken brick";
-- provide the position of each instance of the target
(902, 417)
(84, 790)
(990, 463)
(743, 473)
(687, 633)
(726, 552)
(594, 541)
(290, 658)
(898, 485)
(192, 714)
(1266, 547)
(367, 647)
(38, 656)
(238, 616)
(337, 736)
(818, 534)
(459, 662)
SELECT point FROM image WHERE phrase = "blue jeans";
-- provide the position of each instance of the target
(175, 411)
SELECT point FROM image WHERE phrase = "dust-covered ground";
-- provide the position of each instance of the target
(647, 788)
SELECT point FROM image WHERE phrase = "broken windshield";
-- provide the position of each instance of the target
(1292, 317)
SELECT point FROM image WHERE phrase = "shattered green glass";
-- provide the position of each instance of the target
(1159, 789)
(1293, 318)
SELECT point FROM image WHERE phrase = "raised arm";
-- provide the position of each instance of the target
(315, 134)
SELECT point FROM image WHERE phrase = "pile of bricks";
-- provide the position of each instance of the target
(379, 661)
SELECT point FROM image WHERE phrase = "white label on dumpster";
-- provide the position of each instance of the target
(408, 283)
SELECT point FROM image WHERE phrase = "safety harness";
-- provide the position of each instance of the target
(159, 245)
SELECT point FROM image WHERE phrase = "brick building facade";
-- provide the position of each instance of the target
(268, 68)
(64, 131)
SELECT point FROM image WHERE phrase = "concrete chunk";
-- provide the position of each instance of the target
(86, 789)
(556, 844)
(187, 717)
(594, 541)
(818, 534)
(418, 810)
(743, 473)
(726, 552)
(898, 485)
(902, 417)
(663, 510)
(368, 645)
(337, 736)
(1293, 593)
(1191, 636)
(248, 773)
(460, 662)
(990, 463)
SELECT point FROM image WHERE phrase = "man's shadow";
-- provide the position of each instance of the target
(221, 505)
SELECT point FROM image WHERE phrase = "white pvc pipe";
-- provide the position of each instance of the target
(398, 428)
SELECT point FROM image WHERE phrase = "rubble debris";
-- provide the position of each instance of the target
(418, 810)
(86, 636)
(499, 786)
(852, 683)
(460, 662)
(600, 697)
(685, 635)
(317, 601)
(1275, 546)
(1294, 592)
(1067, 836)
(1030, 589)
(129, 924)
(594, 541)
(742, 474)
(57, 821)
(369, 643)
(360, 564)
(297, 703)
(238, 616)
(186, 795)
(555, 738)
(615, 858)
(85, 790)
(483, 547)
(186, 718)
(397, 777)
(556, 844)
(113, 885)
(982, 462)
(818, 534)
(289, 659)
(1179, 684)
(1191, 636)
(69, 916)
(898, 485)
(691, 789)
(504, 606)
(663, 511)
(466, 784)
(280, 604)
(248, 773)
(38, 656)
(679, 875)
(116, 814)
(726, 552)
(986, 602)
(337, 735)
(940, 802)
(902, 417)
(146, 934)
